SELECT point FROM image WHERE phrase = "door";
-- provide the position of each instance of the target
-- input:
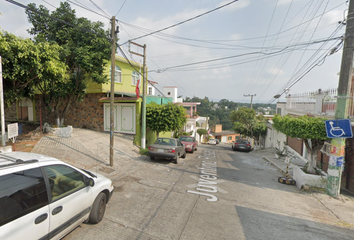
(71, 199)
(124, 117)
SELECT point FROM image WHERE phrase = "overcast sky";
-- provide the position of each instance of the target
(250, 47)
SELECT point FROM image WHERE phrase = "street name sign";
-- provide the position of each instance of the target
(12, 130)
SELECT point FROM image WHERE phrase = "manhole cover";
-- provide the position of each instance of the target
(107, 170)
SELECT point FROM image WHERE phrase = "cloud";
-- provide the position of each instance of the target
(234, 6)
(286, 2)
(275, 71)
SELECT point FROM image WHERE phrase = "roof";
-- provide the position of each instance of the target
(223, 133)
(188, 103)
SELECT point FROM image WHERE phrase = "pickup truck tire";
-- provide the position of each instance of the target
(192, 150)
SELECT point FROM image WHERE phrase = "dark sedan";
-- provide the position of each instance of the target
(242, 145)
(168, 148)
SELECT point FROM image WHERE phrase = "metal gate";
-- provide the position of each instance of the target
(124, 117)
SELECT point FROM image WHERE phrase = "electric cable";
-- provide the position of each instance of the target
(120, 8)
(190, 19)
(99, 8)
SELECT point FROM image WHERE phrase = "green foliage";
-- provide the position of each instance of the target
(144, 151)
(248, 124)
(303, 127)
(311, 129)
(219, 112)
(85, 49)
(165, 118)
(202, 131)
(27, 65)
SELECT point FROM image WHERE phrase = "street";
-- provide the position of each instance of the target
(214, 193)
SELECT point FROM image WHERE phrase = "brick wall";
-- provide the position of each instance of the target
(86, 114)
(295, 143)
(10, 113)
(348, 174)
(322, 161)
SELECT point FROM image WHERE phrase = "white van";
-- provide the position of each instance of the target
(44, 198)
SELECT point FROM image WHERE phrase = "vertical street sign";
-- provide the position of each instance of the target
(339, 128)
(344, 87)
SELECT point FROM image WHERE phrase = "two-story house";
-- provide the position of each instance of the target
(93, 112)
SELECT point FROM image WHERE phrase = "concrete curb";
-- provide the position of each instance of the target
(282, 171)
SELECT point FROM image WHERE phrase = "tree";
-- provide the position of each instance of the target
(247, 123)
(26, 65)
(165, 118)
(201, 132)
(86, 48)
(311, 130)
(245, 117)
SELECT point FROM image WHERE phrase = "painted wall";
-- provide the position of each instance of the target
(157, 99)
(126, 85)
(151, 136)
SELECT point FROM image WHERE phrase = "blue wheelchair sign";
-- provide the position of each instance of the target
(339, 128)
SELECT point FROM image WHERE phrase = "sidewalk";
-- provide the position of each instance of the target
(342, 208)
(90, 150)
(268, 154)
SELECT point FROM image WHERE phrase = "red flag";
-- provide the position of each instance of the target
(137, 90)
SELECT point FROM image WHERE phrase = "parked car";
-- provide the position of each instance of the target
(190, 143)
(242, 145)
(42, 197)
(212, 141)
(168, 148)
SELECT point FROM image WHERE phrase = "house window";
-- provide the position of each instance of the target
(135, 78)
(150, 91)
(229, 138)
(117, 74)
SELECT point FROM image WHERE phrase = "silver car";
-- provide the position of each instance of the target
(168, 148)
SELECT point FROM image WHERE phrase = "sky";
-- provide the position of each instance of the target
(258, 48)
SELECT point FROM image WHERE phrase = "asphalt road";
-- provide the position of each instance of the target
(214, 193)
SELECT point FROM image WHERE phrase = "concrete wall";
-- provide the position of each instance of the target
(270, 140)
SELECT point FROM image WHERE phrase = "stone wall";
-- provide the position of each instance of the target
(86, 114)
(10, 113)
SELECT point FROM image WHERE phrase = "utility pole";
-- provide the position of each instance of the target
(143, 119)
(2, 107)
(250, 95)
(335, 167)
(113, 68)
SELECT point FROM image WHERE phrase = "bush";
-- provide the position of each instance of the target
(144, 151)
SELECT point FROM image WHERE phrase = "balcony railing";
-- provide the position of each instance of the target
(317, 103)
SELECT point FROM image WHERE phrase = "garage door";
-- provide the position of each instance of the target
(124, 117)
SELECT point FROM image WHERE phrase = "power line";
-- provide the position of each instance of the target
(190, 19)
(121, 7)
(57, 19)
(86, 8)
(229, 57)
(98, 7)
(215, 41)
